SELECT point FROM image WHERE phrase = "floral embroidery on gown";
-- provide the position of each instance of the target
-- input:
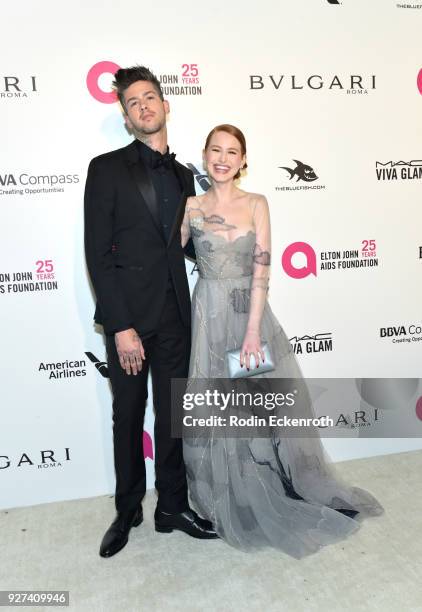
(276, 491)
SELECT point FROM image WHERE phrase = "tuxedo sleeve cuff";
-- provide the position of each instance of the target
(121, 328)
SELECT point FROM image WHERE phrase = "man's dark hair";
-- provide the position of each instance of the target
(125, 77)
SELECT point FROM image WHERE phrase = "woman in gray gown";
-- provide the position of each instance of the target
(276, 490)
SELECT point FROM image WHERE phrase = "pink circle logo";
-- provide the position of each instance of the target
(290, 251)
(419, 81)
(418, 409)
(147, 444)
(92, 78)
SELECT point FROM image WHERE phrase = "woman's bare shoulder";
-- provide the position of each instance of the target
(256, 200)
(257, 196)
(194, 201)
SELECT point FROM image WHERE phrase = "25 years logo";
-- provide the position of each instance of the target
(41, 278)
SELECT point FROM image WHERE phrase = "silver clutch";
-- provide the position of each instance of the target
(236, 371)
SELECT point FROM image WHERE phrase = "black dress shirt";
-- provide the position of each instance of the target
(166, 184)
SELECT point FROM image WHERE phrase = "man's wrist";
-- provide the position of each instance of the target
(119, 331)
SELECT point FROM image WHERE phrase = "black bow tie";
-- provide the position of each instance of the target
(158, 160)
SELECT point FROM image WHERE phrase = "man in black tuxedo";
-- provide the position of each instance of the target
(134, 204)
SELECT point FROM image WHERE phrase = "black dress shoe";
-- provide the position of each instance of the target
(187, 521)
(117, 535)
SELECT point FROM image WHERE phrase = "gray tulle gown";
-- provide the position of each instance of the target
(275, 491)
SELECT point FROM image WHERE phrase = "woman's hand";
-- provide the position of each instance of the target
(251, 346)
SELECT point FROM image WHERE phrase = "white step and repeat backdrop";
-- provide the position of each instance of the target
(329, 96)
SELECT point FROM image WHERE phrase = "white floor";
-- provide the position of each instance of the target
(55, 546)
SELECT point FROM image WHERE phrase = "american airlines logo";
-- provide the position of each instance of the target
(201, 178)
(100, 365)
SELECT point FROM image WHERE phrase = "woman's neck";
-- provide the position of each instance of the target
(223, 192)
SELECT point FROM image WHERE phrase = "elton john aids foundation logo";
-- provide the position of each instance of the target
(299, 253)
(293, 251)
(418, 409)
(93, 77)
(184, 81)
(419, 81)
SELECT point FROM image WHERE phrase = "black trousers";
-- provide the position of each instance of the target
(167, 357)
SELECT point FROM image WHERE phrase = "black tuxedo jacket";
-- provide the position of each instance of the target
(128, 257)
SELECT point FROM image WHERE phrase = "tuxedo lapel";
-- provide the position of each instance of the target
(143, 182)
(181, 208)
